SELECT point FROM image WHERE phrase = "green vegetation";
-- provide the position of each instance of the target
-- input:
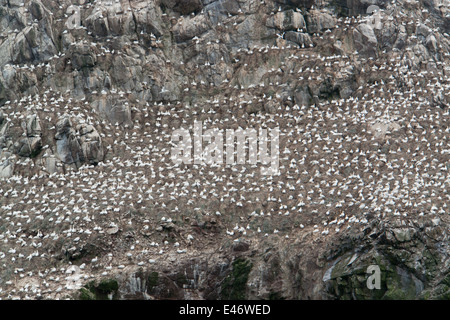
(86, 294)
(235, 284)
(106, 287)
(181, 280)
(152, 280)
(35, 153)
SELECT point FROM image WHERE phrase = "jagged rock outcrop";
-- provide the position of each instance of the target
(407, 255)
(31, 144)
(77, 142)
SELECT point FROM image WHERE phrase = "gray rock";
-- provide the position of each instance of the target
(21, 51)
(33, 126)
(403, 234)
(98, 24)
(367, 31)
(83, 56)
(9, 73)
(431, 43)
(6, 168)
(303, 96)
(423, 30)
(187, 6)
(31, 144)
(113, 109)
(188, 28)
(51, 163)
(77, 144)
(215, 8)
(319, 21)
(286, 20)
(365, 40)
(28, 147)
(36, 9)
(300, 38)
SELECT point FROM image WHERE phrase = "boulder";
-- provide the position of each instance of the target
(31, 144)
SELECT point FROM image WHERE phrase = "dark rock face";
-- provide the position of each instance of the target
(302, 39)
(32, 144)
(305, 4)
(286, 20)
(407, 259)
(188, 6)
(76, 144)
(82, 57)
(356, 7)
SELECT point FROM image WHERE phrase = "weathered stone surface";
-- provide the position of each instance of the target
(28, 147)
(6, 168)
(191, 27)
(77, 143)
(113, 109)
(188, 6)
(286, 20)
(82, 56)
(365, 40)
(319, 21)
(303, 96)
(404, 274)
(302, 39)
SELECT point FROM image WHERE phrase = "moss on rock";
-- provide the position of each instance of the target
(108, 286)
(152, 280)
(86, 294)
(105, 290)
(234, 286)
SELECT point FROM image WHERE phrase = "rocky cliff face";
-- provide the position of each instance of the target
(93, 207)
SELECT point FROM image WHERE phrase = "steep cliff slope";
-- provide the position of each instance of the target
(93, 206)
